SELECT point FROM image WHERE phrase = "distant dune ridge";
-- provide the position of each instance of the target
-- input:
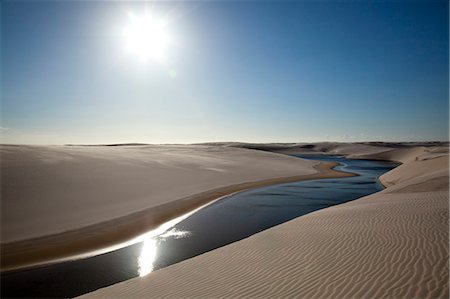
(392, 244)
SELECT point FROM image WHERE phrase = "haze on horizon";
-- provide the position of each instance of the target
(226, 71)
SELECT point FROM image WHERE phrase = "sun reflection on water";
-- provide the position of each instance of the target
(149, 249)
(147, 257)
(174, 233)
(150, 240)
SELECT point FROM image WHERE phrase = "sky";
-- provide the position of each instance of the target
(297, 71)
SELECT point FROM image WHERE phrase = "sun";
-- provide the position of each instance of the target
(146, 37)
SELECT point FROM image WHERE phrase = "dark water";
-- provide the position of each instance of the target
(221, 223)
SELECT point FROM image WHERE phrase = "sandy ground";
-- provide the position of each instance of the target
(390, 244)
(59, 201)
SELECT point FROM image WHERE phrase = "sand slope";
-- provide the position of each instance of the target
(423, 169)
(391, 244)
(46, 190)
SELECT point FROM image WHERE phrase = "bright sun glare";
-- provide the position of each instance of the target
(147, 257)
(146, 37)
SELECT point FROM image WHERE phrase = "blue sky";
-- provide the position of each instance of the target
(235, 71)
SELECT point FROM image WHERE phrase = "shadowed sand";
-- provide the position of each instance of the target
(60, 201)
(390, 244)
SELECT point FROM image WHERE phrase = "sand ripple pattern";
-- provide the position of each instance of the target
(382, 246)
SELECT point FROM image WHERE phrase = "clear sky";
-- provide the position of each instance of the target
(232, 71)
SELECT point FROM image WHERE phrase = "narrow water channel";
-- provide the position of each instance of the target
(223, 222)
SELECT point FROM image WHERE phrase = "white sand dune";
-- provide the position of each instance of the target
(423, 169)
(60, 181)
(392, 244)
